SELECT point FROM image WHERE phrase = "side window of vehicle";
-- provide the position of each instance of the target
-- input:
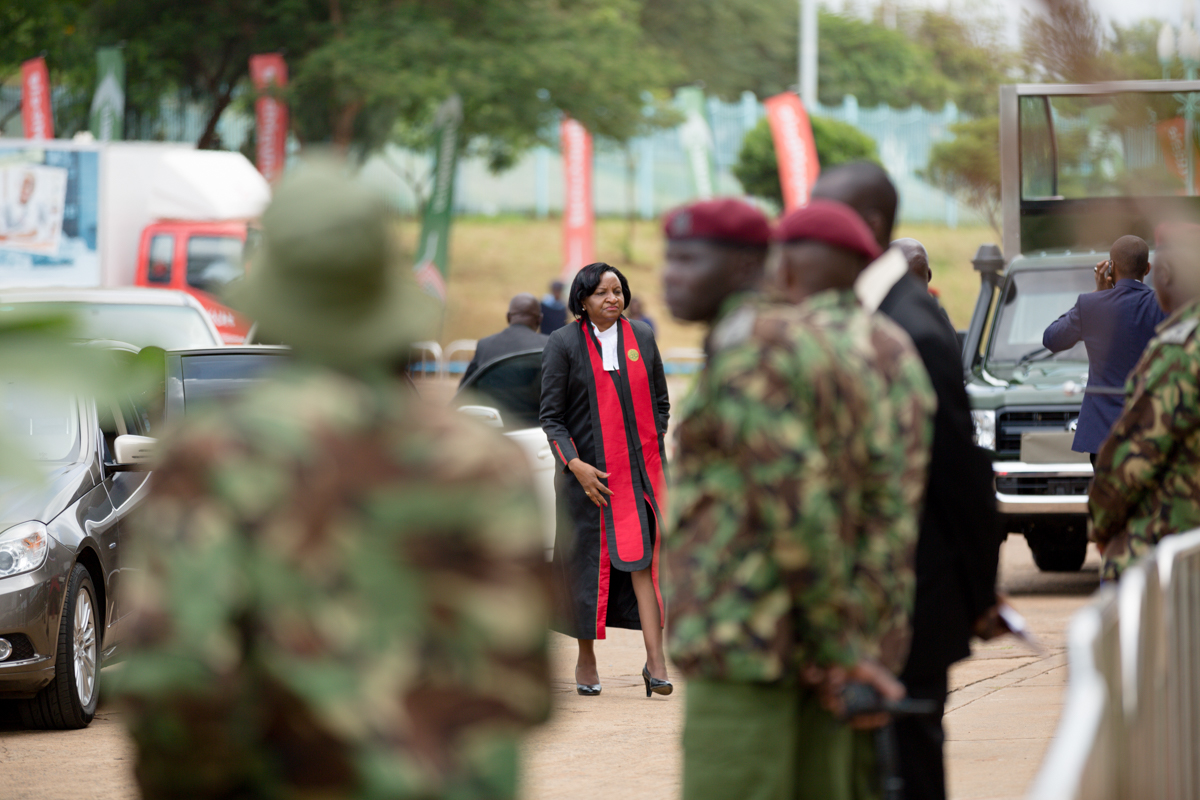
(162, 255)
(513, 385)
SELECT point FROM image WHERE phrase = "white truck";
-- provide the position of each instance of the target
(84, 214)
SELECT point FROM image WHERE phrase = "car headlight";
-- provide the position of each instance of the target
(985, 428)
(23, 548)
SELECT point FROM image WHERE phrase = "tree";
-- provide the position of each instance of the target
(898, 72)
(202, 48)
(972, 56)
(729, 46)
(62, 30)
(514, 63)
(837, 143)
(968, 166)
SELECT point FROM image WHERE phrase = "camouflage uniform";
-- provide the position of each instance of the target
(340, 593)
(1147, 483)
(799, 481)
(827, 411)
(337, 591)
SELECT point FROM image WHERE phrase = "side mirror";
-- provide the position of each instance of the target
(488, 416)
(132, 453)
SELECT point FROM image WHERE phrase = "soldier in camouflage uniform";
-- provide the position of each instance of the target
(800, 473)
(1147, 482)
(340, 591)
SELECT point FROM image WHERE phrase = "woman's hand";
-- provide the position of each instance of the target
(590, 479)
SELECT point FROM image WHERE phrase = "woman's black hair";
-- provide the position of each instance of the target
(585, 283)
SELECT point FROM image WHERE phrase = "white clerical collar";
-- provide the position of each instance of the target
(608, 346)
(879, 277)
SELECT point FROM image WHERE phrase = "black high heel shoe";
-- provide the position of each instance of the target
(654, 685)
(587, 690)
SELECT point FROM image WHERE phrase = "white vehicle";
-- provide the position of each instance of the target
(506, 393)
(142, 317)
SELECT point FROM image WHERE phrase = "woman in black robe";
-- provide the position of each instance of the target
(604, 409)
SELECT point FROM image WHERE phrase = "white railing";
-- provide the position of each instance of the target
(1130, 728)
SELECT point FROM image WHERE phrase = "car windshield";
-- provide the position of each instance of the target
(1124, 144)
(142, 325)
(211, 377)
(1031, 301)
(213, 261)
(43, 425)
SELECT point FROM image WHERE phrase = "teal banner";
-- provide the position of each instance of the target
(108, 104)
(433, 260)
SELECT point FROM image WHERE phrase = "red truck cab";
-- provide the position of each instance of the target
(198, 258)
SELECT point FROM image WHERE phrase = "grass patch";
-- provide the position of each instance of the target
(493, 259)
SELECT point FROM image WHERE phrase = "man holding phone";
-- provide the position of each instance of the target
(1114, 322)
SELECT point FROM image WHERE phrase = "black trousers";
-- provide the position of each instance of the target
(920, 742)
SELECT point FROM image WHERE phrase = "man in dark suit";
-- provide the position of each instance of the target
(1114, 322)
(958, 543)
(524, 317)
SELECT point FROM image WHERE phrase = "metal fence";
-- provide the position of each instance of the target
(651, 174)
(1130, 728)
(645, 178)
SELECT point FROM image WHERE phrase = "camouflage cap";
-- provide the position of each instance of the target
(327, 278)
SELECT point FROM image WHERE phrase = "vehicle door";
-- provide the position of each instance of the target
(506, 393)
(127, 489)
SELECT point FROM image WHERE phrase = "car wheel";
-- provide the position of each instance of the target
(1058, 553)
(70, 699)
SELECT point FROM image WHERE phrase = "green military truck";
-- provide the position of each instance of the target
(1081, 166)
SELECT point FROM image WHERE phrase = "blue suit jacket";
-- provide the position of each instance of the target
(1115, 326)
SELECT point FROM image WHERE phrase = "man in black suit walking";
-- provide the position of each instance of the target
(958, 544)
(524, 317)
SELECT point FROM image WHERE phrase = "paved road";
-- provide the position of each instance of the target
(1003, 710)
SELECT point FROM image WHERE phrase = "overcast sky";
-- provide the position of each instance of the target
(1122, 11)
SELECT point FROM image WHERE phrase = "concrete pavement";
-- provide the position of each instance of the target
(1002, 711)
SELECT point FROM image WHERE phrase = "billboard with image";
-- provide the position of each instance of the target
(49, 207)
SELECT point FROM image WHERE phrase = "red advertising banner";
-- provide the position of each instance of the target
(579, 222)
(267, 70)
(1172, 134)
(794, 148)
(35, 100)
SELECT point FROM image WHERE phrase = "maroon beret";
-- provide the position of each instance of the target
(830, 222)
(724, 220)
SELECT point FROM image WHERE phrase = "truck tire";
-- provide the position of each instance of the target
(1058, 553)
(70, 699)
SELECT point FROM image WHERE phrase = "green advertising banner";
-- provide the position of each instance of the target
(108, 104)
(696, 138)
(433, 248)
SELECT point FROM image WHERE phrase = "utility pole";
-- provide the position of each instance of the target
(808, 53)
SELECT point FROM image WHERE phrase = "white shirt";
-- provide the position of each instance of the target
(874, 282)
(608, 346)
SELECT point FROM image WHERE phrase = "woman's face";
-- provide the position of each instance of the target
(605, 305)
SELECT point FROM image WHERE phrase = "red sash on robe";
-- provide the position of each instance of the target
(627, 447)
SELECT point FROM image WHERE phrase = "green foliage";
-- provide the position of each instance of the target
(837, 143)
(968, 166)
(201, 49)
(515, 64)
(897, 72)
(60, 29)
(971, 54)
(729, 46)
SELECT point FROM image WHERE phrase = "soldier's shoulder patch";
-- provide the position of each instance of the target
(734, 329)
(1179, 332)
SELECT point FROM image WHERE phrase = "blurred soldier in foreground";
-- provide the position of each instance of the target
(799, 474)
(340, 591)
(1147, 483)
(959, 544)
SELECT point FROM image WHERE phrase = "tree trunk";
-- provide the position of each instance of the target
(343, 126)
(208, 138)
